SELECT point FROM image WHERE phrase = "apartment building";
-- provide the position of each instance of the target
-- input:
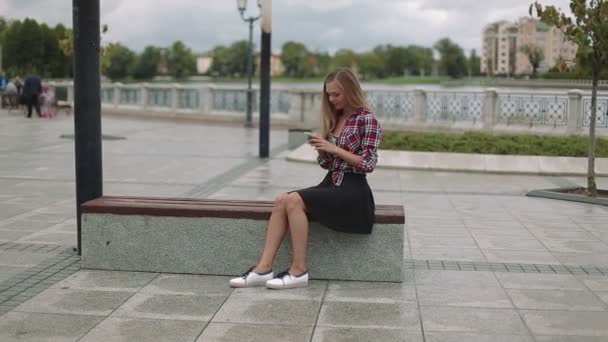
(502, 42)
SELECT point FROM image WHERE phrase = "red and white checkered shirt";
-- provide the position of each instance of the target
(361, 135)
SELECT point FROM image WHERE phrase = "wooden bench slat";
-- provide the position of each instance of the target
(192, 207)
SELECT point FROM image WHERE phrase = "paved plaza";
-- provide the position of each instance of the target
(482, 261)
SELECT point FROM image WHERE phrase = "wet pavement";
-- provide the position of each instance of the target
(482, 263)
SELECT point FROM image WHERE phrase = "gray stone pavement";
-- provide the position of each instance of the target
(483, 262)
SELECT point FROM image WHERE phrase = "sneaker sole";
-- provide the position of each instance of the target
(238, 286)
(281, 287)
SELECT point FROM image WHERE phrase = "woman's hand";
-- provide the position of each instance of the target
(323, 145)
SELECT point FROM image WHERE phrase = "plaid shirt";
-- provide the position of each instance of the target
(361, 135)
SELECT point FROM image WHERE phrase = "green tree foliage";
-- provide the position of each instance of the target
(344, 58)
(220, 66)
(230, 61)
(29, 47)
(182, 62)
(370, 65)
(474, 64)
(117, 61)
(535, 56)
(293, 56)
(453, 61)
(589, 31)
(146, 64)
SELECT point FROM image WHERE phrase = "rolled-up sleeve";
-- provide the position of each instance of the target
(372, 135)
(325, 160)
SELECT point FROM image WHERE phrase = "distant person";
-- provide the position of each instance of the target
(19, 85)
(32, 88)
(347, 148)
(10, 96)
(3, 82)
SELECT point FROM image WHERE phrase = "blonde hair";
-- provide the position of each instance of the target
(353, 94)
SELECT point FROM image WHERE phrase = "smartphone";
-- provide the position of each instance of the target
(308, 135)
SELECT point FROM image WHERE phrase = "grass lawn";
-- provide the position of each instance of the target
(484, 143)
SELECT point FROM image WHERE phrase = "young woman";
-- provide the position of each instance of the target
(347, 148)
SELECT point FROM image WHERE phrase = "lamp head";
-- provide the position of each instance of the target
(242, 5)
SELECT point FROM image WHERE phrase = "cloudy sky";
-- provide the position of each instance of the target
(324, 25)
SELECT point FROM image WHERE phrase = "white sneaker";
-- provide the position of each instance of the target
(284, 280)
(250, 278)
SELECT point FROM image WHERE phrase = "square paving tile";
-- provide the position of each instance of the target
(330, 334)
(79, 302)
(523, 257)
(576, 323)
(594, 283)
(402, 315)
(491, 297)
(144, 330)
(238, 309)
(455, 279)
(448, 253)
(473, 337)
(216, 332)
(106, 281)
(555, 300)
(539, 281)
(184, 284)
(314, 291)
(165, 306)
(369, 292)
(23, 259)
(21, 326)
(475, 320)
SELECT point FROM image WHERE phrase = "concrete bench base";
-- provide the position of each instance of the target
(227, 246)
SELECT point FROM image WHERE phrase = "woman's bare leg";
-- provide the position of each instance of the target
(275, 233)
(298, 229)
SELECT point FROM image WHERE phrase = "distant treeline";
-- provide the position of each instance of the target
(30, 47)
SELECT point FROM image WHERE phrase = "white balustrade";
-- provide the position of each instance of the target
(555, 112)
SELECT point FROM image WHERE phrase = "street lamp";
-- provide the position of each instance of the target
(242, 5)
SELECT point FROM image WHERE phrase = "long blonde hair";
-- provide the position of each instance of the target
(351, 89)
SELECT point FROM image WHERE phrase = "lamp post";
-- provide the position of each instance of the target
(242, 6)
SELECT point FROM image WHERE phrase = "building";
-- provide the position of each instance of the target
(203, 63)
(276, 64)
(499, 48)
(502, 42)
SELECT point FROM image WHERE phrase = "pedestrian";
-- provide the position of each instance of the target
(32, 87)
(3, 82)
(347, 147)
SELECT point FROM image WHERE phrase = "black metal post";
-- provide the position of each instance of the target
(265, 80)
(87, 104)
(249, 120)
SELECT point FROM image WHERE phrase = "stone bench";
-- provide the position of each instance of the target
(220, 237)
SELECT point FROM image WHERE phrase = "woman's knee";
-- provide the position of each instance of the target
(294, 202)
(280, 202)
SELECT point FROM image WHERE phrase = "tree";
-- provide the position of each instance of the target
(345, 58)
(474, 64)
(370, 66)
(453, 62)
(239, 52)
(420, 61)
(182, 62)
(146, 64)
(117, 61)
(535, 56)
(589, 31)
(220, 66)
(3, 25)
(293, 56)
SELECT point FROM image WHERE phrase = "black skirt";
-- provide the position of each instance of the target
(347, 208)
